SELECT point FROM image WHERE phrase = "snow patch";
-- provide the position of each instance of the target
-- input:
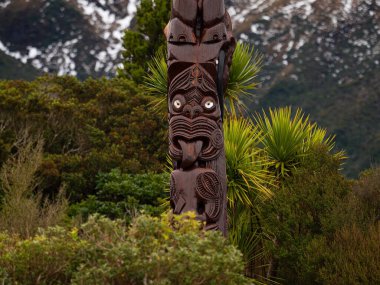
(257, 29)
(347, 6)
(304, 6)
(5, 4)
(15, 54)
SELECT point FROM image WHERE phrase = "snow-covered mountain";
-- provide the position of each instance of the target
(83, 37)
(76, 37)
(338, 35)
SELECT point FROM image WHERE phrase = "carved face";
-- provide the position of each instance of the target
(193, 93)
(194, 126)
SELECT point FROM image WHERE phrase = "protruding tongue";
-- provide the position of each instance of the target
(190, 152)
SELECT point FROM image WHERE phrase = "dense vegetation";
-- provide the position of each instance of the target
(102, 251)
(83, 187)
(98, 143)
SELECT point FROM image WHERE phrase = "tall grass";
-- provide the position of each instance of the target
(23, 210)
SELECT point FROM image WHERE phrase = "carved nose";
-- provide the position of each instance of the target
(192, 111)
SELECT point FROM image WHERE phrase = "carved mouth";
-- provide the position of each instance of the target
(200, 136)
(205, 141)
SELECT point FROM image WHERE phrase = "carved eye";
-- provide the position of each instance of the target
(209, 104)
(177, 104)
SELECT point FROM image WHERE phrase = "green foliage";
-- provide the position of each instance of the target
(247, 166)
(145, 38)
(361, 207)
(246, 64)
(156, 81)
(102, 251)
(351, 256)
(49, 257)
(123, 196)
(367, 188)
(249, 182)
(288, 139)
(300, 211)
(88, 127)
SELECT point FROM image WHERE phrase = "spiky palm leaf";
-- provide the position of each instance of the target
(283, 137)
(289, 137)
(249, 183)
(318, 136)
(156, 81)
(246, 64)
(246, 166)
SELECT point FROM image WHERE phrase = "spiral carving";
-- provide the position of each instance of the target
(209, 190)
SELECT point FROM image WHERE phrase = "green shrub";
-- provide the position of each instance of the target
(350, 257)
(361, 207)
(152, 251)
(121, 195)
(88, 127)
(348, 250)
(160, 255)
(300, 211)
(49, 257)
(367, 189)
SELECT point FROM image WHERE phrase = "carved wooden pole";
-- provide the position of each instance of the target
(200, 48)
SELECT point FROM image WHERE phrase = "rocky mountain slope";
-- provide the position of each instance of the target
(76, 37)
(321, 55)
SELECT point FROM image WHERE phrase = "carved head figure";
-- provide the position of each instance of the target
(194, 117)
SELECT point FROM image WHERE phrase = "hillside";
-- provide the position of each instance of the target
(76, 37)
(323, 56)
(11, 68)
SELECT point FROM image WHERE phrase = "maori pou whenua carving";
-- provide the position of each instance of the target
(200, 48)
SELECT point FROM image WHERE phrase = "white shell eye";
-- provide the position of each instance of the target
(209, 104)
(177, 104)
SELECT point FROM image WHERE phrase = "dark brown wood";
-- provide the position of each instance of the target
(200, 48)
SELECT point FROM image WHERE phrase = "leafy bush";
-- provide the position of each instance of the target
(300, 211)
(361, 207)
(350, 257)
(49, 257)
(88, 127)
(121, 195)
(102, 251)
(367, 188)
(348, 250)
